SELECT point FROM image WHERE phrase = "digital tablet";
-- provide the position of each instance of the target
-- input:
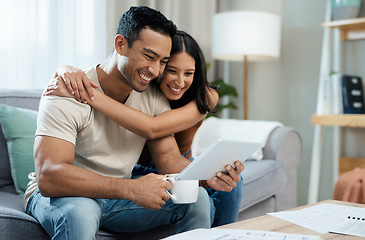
(216, 157)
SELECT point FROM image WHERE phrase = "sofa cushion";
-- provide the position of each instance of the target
(5, 175)
(261, 180)
(19, 125)
(18, 98)
(28, 98)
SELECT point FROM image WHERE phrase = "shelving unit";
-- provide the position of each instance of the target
(341, 120)
(349, 29)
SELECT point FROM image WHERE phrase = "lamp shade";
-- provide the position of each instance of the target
(236, 34)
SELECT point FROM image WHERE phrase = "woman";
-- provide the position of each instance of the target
(185, 85)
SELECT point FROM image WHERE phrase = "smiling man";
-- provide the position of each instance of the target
(83, 160)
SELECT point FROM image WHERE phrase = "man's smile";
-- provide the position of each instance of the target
(145, 77)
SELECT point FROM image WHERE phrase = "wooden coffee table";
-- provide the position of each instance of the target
(270, 223)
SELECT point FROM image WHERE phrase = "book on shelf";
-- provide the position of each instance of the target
(324, 95)
(336, 93)
(347, 95)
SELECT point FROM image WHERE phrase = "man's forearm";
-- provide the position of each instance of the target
(57, 176)
(61, 180)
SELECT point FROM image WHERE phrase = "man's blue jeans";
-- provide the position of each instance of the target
(69, 218)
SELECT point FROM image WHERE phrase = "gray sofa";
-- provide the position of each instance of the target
(269, 184)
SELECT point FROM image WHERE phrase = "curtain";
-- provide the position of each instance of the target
(37, 36)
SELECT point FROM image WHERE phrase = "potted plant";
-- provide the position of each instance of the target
(224, 89)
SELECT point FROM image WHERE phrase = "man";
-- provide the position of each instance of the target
(83, 160)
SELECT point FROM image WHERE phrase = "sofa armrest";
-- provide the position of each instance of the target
(285, 144)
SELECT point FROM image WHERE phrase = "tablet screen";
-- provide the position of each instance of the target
(216, 157)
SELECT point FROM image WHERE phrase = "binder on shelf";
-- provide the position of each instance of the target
(352, 94)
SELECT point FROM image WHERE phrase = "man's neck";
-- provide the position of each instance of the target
(111, 80)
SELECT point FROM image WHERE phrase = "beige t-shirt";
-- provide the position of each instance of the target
(101, 145)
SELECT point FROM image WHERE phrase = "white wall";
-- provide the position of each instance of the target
(302, 43)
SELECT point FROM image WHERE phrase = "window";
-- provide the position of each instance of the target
(37, 36)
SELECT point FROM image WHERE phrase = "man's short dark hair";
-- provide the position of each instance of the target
(137, 18)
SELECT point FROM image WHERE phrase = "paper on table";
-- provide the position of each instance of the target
(320, 218)
(229, 234)
(353, 225)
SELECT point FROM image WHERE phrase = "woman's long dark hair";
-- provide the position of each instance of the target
(198, 91)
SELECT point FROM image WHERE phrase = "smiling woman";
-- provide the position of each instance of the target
(36, 38)
(179, 76)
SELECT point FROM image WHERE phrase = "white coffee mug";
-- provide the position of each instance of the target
(183, 191)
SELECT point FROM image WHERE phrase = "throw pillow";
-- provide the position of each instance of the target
(19, 125)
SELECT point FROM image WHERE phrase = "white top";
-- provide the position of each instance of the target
(101, 145)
